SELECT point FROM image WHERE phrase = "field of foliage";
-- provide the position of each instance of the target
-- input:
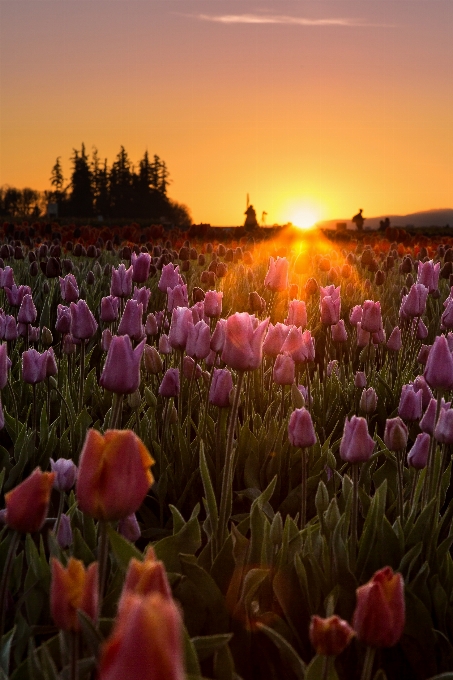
(225, 459)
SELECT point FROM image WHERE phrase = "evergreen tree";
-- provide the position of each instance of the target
(57, 181)
(82, 194)
(121, 186)
(100, 185)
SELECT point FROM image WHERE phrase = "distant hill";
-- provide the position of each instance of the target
(427, 218)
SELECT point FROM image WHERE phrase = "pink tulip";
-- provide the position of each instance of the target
(177, 297)
(169, 386)
(11, 331)
(213, 304)
(301, 432)
(131, 321)
(63, 323)
(360, 379)
(428, 422)
(121, 281)
(51, 363)
(151, 325)
(164, 344)
(421, 385)
(339, 333)
(394, 342)
(106, 339)
(218, 337)
(330, 310)
(294, 345)
(447, 317)
(363, 337)
(221, 386)
(368, 400)
(428, 275)
(140, 267)
(142, 296)
(16, 294)
(443, 431)
(169, 278)
(297, 314)
(83, 323)
(198, 313)
(410, 406)
(439, 367)
(275, 337)
(371, 320)
(355, 315)
(121, 372)
(356, 444)
(198, 340)
(109, 309)
(27, 312)
(414, 303)
(181, 318)
(276, 279)
(284, 370)
(422, 356)
(395, 434)
(34, 366)
(243, 348)
(329, 291)
(69, 288)
(5, 365)
(419, 453)
(191, 370)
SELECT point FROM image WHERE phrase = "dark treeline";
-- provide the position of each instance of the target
(94, 189)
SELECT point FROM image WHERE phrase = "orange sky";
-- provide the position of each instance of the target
(325, 105)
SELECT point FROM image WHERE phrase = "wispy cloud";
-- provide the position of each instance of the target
(283, 19)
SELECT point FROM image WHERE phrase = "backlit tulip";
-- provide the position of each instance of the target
(368, 400)
(146, 641)
(410, 406)
(177, 297)
(121, 372)
(379, 616)
(428, 274)
(330, 636)
(339, 333)
(213, 303)
(181, 318)
(73, 588)
(276, 279)
(164, 345)
(371, 320)
(297, 314)
(414, 303)
(28, 503)
(198, 340)
(169, 278)
(284, 370)
(142, 295)
(243, 348)
(275, 337)
(147, 577)
(221, 386)
(218, 336)
(114, 474)
(443, 431)
(355, 315)
(363, 337)
(394, 342)
(294, 345)
(330, 310)
(301, 432)
(356, 444)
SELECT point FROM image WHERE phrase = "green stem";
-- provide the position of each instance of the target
(82, 373)
(400, 501)
(429, 477)
(303, 507)
(5, 578)
(74, 656)
(115, 415)
(60, 512)
(226, 498)
(368, 663)
(103, 554)
(354, 513)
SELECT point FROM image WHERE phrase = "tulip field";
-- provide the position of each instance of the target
(225, 456)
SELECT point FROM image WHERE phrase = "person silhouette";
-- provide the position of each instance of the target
(359, 220)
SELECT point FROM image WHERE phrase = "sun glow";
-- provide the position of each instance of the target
(304, 216)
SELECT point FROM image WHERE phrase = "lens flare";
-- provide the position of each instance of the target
(304, 217)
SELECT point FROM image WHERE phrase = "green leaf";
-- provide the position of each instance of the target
(287, 651)
(209, 492)
(186, 541)
(123, 550)
(315, 669)
(206, 645)
(5, 650)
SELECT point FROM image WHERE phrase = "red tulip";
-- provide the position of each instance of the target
(28, 503)
(330, 636)
(379, 616)
(72, 589)
(243, 348)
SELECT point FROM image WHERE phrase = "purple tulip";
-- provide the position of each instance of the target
(106, 339)
(419, 453)
(142, 296)
(83, 323)
(131, 321)
(356, 444)
(11, 332)
(164, 344)
(128, 527)
(243, 348)
(213, 304)
(177, 297)
(16, 294)
(439, 367)
(410, 406)
(360, 379)
(191, 370)
(443, 431)
(395, 434)
(198, 340)
(65, 473)
(221, 386)
(6, 277)
(394, 342)
(34, 366)
(27, 312)
(109, 309)
(371, 320)
(301, 432)
(151, 327)
(428, 275)
(297, 314)
(218, 337)
(140, 267)
(69, 288)
(284, 370)
(355, 315)
(420, 384)
(5, 365)
(339, 333)
(368, 400)
(275, 337)
(63, 322)
(64, 535)
(169, 278)
(414, 303)
(181, 318)
(330, 310)
(121, 281)
(121, 373)
(169, 386)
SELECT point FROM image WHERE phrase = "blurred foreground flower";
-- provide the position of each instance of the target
(330, 636)
(73, 588)
(28, 503)
(379, 616)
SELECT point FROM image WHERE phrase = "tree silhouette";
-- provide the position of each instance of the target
(82, 193)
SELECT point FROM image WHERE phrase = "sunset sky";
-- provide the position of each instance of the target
(318, 107)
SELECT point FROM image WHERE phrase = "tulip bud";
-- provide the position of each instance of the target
(379, 616)
(129, 528)
(330, 636)
(65, 473)
(164, 345)
(46, 337)
(121, 372)
(439, 366)
(394, 342)
(284, 370)
(360, 379)
(395, 434)
(64, 534)
(152, 360)
(410, 406)
(368, 400)
(169, 386)
(221, 386)
(443, 432)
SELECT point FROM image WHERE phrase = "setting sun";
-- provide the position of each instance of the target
(304, 217)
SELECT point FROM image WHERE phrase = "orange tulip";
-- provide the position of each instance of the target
(28, 503)
(379, 616)
(146, 641)
(114, 474)
(144, 578)
(330, 636)
(73, 588)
